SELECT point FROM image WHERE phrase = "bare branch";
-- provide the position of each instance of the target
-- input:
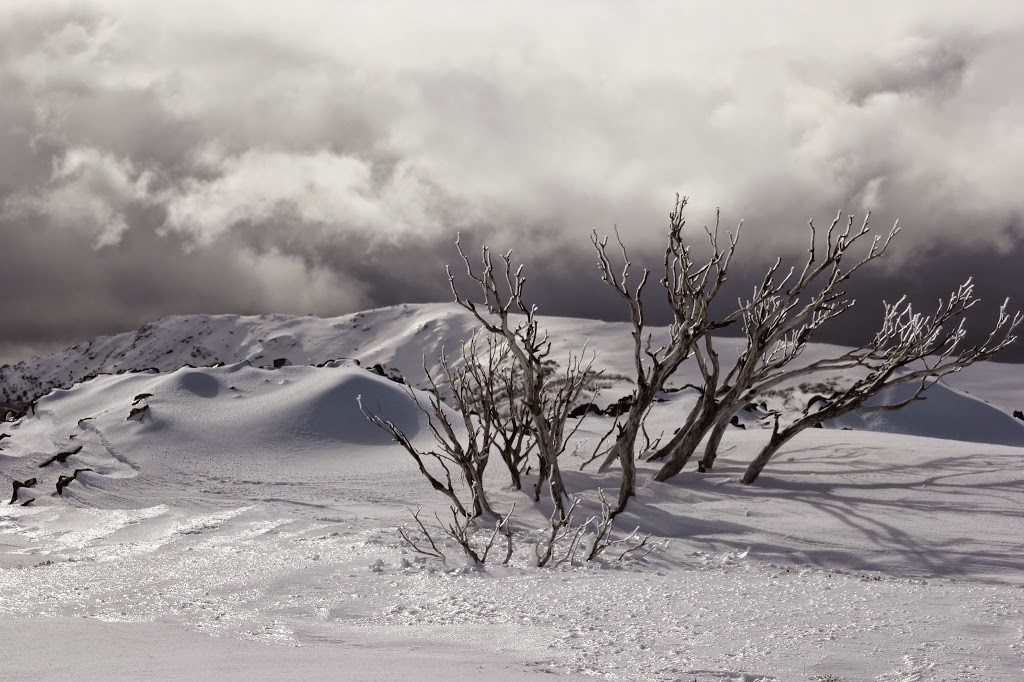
(907, 348)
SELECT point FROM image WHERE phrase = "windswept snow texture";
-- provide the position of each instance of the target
(239, 522)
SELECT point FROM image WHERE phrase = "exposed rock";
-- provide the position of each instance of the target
(139, 412)
(61, 457)
(584, 409)
(63, 481)
(18, 485)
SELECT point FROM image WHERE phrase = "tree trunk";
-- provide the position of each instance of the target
(627, 488)
(550, 472)
(626, 440)
(686, 443)
(513, 472)
(669, 447)
(512, 465)
(558, 494)
(624, 449)
(778, 439)
(481, 505)
(711, 449)
(542, 475)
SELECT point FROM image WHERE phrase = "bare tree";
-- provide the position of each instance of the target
(475, 388)
(909, 348)
(467, 448)
(491, 386)
(547, 399)
(690, 285)
(779, 320)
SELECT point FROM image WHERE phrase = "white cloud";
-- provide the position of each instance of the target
(318, 189)
(88, 191)
(568, 116)
(290, 134)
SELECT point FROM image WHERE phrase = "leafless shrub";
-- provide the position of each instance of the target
(563, 542)
(487, 390)
(568, 542)
(417, 546)
(469, 457)
(499, 379)
(460, 530)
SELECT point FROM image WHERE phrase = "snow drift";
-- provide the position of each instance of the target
(258, 505)
(400, 338)
(233, 423)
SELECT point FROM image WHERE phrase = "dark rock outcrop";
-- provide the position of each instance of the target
(18, 485)
(585, 409)
(63, 481)
(61, 457)
(139, 412)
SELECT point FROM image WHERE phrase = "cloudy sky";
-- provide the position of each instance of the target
(319, 157)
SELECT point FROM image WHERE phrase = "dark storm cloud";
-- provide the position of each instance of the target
(239, 156)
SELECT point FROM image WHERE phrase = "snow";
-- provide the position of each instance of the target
(244, 526)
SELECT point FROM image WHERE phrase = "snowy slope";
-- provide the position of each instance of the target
(245, 521)
(258, 506)
(399, 337)
(223, 425)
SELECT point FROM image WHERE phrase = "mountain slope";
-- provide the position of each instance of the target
(402, 337)
(259, 506)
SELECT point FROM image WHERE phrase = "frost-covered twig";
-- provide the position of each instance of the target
(416, 547)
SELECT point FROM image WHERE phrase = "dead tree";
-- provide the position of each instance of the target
(909, 348)
(546, 398)
(779, 320)
(690, 285)
(491, 387)
(564, 541)
(466, 448)
(482, 390)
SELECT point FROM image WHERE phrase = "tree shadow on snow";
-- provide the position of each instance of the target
(945, 516)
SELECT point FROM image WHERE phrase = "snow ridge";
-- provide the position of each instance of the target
(402, 337)
(396, 336)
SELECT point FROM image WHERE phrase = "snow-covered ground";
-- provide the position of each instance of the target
(243, 526)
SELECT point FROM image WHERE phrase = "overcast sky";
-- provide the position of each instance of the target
(178, 157)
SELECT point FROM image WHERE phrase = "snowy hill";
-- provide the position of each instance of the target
(139, 435)
(399, 337)
(256, 503)
(258, 506)
(396, 336)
